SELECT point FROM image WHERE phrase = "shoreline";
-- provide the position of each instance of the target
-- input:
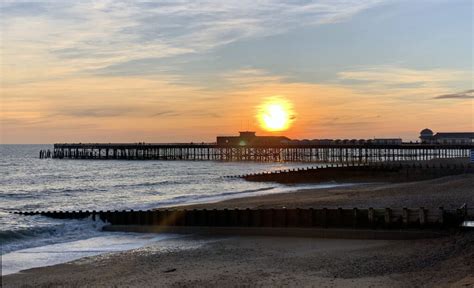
(363, 194)
(428, 193)
(271, 260)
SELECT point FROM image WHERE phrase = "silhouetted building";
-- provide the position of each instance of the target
(428, 137)
(248, 138)
(387, 141)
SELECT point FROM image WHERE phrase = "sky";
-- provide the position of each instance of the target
(182, 71)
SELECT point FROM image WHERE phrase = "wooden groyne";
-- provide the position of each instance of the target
(386, 172)
(368, 218)
(290, 152)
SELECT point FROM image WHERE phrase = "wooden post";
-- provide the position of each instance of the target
(355, 216)
(156, 218)
(109, 217)
(255, 219)
(129, 218)
(441, 216)
(306, 217)
(212, 218)
(118, 217)
(388, 216)
(371, 217)
(325, 217)
(268, 217)
(422, 217)
(226, 215)
(340, 217)
(205, 217)
(141, 217)
(405, 217)
(244, 217)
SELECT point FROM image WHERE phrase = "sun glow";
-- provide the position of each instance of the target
(275, 114)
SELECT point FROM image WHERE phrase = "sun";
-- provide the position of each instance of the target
(275, 114)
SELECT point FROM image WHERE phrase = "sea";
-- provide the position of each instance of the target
(28, 183)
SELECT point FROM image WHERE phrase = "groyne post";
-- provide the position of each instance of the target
(422, 217)
(405, 217)
(388, 217)
(355, 217)
(371, 217)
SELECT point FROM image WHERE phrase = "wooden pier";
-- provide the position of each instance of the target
(322, 153)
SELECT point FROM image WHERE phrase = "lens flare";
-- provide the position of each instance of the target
(275, 114)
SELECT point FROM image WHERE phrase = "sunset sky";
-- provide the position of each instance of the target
(182, 71)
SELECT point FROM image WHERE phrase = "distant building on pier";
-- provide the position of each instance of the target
(248, 138)
(387, 141)
(428, 137)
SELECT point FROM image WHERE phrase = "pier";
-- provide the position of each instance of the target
(281, 152)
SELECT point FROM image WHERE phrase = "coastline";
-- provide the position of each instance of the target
(250, 260)
(448, 192)
(269, 261)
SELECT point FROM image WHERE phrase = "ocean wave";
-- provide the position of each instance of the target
(16, 196)
(56, 232)
(33, 192)
(74, 190)
(30, 206)
(150, 184)
(25, 233)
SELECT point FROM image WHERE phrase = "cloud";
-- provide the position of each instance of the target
(400, 75)
(88, 35)
(394, 83)
(247, 77)
(468, 94)
(188, 113)
(131, 108)
(95, 112)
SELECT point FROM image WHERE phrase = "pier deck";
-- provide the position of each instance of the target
(329, 153)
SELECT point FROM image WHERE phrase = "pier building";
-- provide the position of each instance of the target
(249, 138)
(449, 138)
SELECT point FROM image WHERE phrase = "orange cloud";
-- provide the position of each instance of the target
(157, 109)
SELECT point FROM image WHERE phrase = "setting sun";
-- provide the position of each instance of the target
(275, 115)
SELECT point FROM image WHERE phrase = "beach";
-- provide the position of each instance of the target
(272, 143)
(289, 261)
(448, 192)
(264, 261)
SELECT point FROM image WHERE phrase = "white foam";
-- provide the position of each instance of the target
(469, 224)
(65, 252)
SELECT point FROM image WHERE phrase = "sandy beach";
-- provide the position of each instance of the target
(277, 261)
(448, 192)
(265, 261)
